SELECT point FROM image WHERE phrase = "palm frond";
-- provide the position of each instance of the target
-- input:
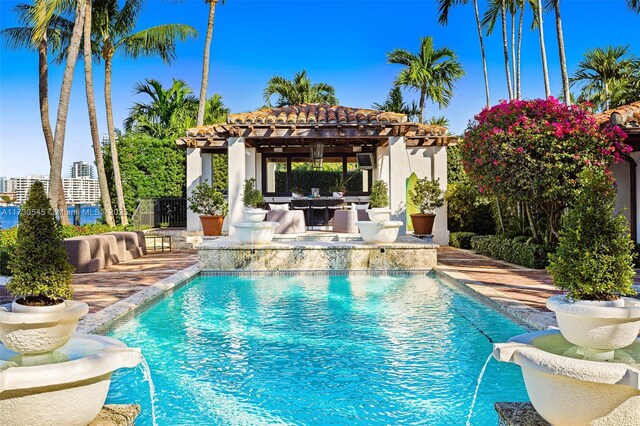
(156, 41)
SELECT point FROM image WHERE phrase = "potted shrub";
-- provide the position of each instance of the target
(379, 202)
(41, 318)
(210, 204)
(426, 197)
(594, 265)
(251, 199)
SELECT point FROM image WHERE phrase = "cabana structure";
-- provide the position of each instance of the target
(361, 145)
(626, 174)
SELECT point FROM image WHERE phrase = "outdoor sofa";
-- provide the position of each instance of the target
(92, 253)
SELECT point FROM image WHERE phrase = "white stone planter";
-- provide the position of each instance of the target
(379, 232)
(253, 215)
(255, 233)
(597, 325)
(27, 332)
(66, 387)
(569, 391)
(379, 214)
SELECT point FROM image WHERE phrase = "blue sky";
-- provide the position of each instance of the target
(343, 43)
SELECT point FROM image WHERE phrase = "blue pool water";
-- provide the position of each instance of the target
(318, 351)
(9, 215)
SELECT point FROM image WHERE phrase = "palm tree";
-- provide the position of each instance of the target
(42, 13)
(167, 113)
(298, 91)
(555, 5)
(395, 103)
(499, 8)
(206, 58)
(444, 6)
(55, 39)
(634, 5)
(215, 110)
(93, 118)
(432, 72)
(604, 74)
(543, 51)
(113, 31)
(439, 121)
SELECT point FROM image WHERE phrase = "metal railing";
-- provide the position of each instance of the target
(162, 212)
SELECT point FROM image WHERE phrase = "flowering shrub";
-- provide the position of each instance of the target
(532, 151)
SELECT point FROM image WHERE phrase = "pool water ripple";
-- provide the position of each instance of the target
(318, 351)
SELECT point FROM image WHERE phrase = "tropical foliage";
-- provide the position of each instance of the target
(395, 103)
(431, 72)
(298, 91)
(594, 257)
(166, 114)
(532, 151)
(41, 272)
(608, 77)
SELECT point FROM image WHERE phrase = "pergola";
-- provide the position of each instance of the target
(400, 147)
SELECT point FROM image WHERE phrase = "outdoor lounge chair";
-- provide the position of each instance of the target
(129, 244)
(86, 254)
(345, 221)
(291, 221)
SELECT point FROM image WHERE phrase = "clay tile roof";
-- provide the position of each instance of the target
(626, 116)
(316, 113)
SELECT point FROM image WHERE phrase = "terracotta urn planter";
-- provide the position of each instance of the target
(211, 225)
(423, 223)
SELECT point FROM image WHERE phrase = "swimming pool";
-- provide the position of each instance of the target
(323, 350)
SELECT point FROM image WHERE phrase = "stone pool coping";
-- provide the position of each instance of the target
(517, 311)
(111, 317)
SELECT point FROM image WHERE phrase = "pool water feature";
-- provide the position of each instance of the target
(318, 350)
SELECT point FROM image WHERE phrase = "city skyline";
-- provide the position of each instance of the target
(356, 67)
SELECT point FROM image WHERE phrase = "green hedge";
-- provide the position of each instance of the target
(326, 180)
(518, 250)
(9, 237)
(461, 239)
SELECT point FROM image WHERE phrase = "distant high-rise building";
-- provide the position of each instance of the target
(81, 169)
(80, 190)
(3, 184)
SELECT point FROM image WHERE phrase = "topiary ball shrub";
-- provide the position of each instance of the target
(594, 258)
(41, 272)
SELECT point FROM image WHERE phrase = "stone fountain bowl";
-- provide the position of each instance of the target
(567, 389)
(33, 333)
(379, 214)
(379, 232)
(256, 233)
(65, 387)
(253, 215)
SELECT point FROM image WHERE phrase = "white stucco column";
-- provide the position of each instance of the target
(237, 174)
(250, 163)
(399, 172)
(207, 168)
(194, 171)
(439, 171)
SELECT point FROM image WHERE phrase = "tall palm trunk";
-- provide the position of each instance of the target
(43, 94)
(519, 54)
(543, 52)
(55, 173)
(93, 119)
(563, 59)
(513, 54)
(484, 58)
(505, 46)
(205, 63)
(421, 106)
(117, 180)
